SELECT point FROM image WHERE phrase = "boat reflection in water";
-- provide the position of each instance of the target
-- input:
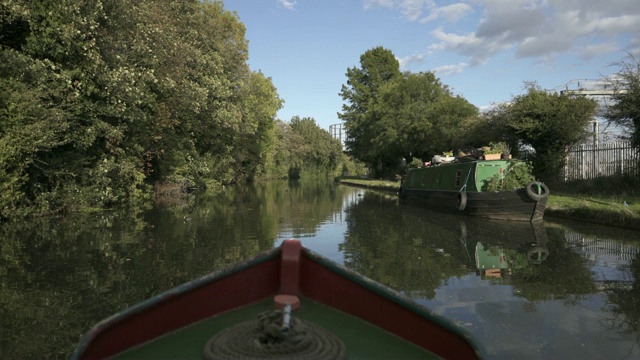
(498, 262)
(509, 248)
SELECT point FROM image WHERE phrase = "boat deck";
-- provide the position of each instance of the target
(362, 340)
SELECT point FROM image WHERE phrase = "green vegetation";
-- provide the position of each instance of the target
(603, 208)
(374, 184)
(625, 110)
(550, 123)
(108, 103)
(517, 175)
(103, 102)
(391, 115)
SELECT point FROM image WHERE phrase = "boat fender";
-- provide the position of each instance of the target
(462, 200)
(537, 254)
(537, 190)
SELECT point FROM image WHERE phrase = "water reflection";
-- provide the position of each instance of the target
(526, 291)
(557, 290)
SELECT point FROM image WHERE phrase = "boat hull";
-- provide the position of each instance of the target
(514, 205)
(289, 270)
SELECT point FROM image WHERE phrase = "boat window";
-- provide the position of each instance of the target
(458, 180)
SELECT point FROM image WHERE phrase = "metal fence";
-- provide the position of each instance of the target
(589, 161)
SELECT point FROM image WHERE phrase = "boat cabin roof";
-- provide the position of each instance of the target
(456, 176)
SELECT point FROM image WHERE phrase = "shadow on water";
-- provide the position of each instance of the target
(552, 290)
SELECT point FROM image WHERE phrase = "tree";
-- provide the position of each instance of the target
(259, 104)
(378, 66)
(419, 117)
(320, 153)
(101, 99)
(550, 123)
(625, 110)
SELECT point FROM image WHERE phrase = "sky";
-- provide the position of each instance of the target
(484, 50)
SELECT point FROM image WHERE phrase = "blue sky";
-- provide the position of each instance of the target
(483, 49)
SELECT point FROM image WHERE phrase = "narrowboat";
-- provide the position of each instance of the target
(459, 186)
(288, 302)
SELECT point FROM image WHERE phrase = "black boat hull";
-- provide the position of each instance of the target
(514, 205)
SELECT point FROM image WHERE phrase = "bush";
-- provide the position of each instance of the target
(517, 175)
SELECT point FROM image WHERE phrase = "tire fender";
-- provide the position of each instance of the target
(537, 190)
(537, 254)
(462, 201)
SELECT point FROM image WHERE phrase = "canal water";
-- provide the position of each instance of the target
(558, 290)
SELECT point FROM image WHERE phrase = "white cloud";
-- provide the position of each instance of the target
(450, 69)
(406, 61)
(410, 9)
(540, 28)
(450, 13)
(476, 49)
(370, 4)
(287, 4)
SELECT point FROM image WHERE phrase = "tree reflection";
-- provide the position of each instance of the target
(623, 305)
(564, 275)
(400, 249)
(61, 276)
(417, 251)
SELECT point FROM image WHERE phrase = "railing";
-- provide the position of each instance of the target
(590, 161)
(590, 246)
(608, 159)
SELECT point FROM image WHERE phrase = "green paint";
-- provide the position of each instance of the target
(363, 340)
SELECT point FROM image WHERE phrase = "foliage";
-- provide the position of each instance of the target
(260, 102)
(403, 116)
(549, 123)
(99, 100)
(319, 152)
(351, 166)
(517, 175)
(378, 67)
(625, 110)
(420, 117)
(415, 163)
(302, 147)
(498, 148)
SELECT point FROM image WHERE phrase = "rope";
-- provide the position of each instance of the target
(265, 338)
(464, 187)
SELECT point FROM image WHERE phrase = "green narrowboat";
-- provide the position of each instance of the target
(459, 187)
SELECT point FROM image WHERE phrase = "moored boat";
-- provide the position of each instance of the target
(461, 187)
(286, 302)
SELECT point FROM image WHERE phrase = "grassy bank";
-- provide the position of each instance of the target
(615, 210)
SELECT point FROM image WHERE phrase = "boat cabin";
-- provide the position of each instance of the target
(455, 176)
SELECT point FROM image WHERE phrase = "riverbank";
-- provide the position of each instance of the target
(612, 210)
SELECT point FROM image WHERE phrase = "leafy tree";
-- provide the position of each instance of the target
(419, 117)
(101, 99)
(285, 158)
(320, 153)
(259, 104)
(550, 123)
(625, 110)
(378, 66)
